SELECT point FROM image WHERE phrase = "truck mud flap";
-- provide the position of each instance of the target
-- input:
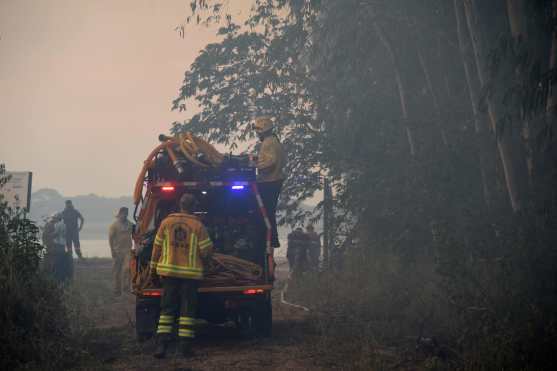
(146, 317)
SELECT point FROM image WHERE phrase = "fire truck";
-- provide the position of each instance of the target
(230, 207)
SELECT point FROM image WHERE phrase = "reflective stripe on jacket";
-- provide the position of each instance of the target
(181, 245)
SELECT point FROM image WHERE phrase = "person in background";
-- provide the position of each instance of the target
(296, 250)
(182, 247)
(64, 261)
(314, 247)
(71, 216)
(120, 242)
(271, 160)
(55, 256)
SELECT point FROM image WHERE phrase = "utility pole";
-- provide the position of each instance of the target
(327, 214)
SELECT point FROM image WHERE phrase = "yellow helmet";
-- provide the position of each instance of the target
(263, 124)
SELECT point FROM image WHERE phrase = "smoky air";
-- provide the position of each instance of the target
(293, 184)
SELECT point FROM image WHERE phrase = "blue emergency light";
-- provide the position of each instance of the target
(237, 187)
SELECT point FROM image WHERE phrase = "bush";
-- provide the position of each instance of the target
(481, 301)
(376, 310)
(35, 331)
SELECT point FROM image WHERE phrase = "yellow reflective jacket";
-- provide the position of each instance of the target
(270, 160)
(181, 245)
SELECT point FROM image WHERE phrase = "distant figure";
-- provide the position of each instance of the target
(120, 242)
(296, 252)
(314, 247)
(54, 237)
(181, 249)
(71, 216)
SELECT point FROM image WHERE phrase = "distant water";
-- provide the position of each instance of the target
(100, 249)
(95, 248)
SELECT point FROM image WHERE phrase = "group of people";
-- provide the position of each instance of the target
(61, 238)
(304, 250)
(181, 247)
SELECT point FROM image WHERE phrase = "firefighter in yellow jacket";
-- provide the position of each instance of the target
(181, 247)
(271, 160)
(120, 242)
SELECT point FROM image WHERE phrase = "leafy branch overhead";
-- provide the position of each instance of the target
(249, 73)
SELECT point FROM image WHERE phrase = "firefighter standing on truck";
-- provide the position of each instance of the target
(120, 242)
(270, 163)
(181, 247)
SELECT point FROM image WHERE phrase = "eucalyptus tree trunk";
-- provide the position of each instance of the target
(551, 106)
(400, 86)
(434, 98)
(472, 94)
(503, 141)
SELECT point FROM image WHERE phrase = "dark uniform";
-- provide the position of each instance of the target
(297, 250)
(314, 248)
(70, 216)
(55, 260)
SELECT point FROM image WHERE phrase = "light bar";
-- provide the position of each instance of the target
(168, 188)
(238, 187)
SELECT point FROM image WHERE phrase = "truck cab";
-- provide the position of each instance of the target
(231, 209)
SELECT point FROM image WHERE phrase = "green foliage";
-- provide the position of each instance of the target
(256, 72)
(35, 330)
(356, 84)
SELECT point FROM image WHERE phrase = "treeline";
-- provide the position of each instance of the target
(434, 122)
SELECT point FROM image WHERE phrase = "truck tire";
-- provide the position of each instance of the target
(146, 318)
(264, 318)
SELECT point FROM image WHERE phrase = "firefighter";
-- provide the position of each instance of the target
(182, 246)
(54, 241)
(71, 217)
(270, 176)
(297, 250)
(120, 242)
(314, 247)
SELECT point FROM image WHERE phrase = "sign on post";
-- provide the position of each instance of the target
(17, 190)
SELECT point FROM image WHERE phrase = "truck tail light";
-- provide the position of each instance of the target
(152, 293)
(253, 291)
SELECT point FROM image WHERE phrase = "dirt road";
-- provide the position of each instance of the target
(114, 347)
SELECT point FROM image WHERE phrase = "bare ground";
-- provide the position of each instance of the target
(113, 345)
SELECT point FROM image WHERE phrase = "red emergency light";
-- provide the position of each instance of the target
(152, 293)
(253, 291)
(168, 188)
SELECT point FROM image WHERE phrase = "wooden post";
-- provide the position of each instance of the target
(327, 214)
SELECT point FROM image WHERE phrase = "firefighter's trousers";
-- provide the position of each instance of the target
(270, 192)
(121, 271)
(178, 305)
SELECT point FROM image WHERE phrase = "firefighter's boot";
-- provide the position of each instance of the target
(185, 347)
(162, 346)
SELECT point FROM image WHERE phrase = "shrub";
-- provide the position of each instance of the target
(35, 332)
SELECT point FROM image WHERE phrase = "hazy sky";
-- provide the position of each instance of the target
(86, 87)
